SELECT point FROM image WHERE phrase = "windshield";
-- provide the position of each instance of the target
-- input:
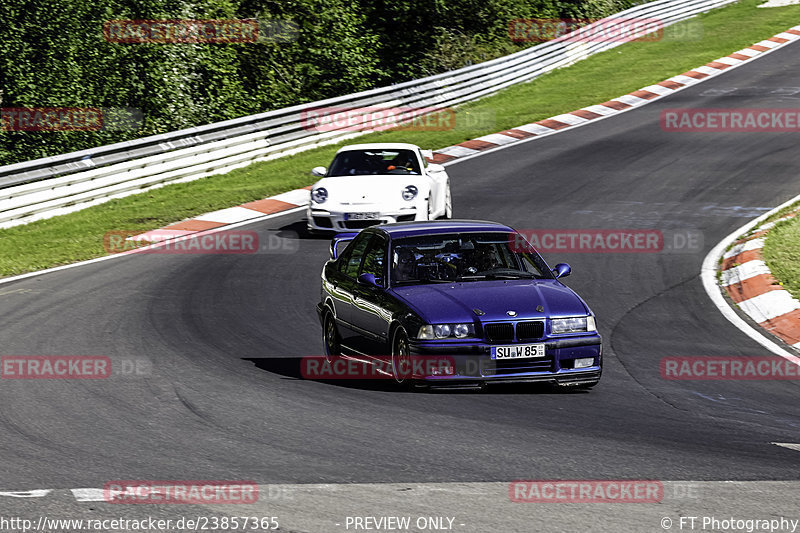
(464, 257)
(365, 162)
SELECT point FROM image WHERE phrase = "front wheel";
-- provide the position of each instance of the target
(330, 337)
(401, 357)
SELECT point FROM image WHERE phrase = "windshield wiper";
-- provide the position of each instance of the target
(471, 277)
(412, 281)
(509, 273)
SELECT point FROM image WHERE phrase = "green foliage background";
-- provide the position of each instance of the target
(54, 55)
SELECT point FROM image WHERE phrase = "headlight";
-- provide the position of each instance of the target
(580, 324)
(442, 331)
(319, 195)
(410, 192)
(462, 330)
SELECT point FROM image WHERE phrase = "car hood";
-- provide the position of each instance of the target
(454, 302)
(355, 190)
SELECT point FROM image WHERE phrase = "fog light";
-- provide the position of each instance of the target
(442, 370)
(584, 363)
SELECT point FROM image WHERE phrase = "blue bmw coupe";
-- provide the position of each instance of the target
(473, 296)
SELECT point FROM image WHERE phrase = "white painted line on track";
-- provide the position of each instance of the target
(790, 445)
(88, 495)
(36, 493)
(708, 274)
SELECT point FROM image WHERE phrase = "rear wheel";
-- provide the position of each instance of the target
(330, 337)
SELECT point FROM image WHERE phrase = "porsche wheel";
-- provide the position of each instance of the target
(448, 203)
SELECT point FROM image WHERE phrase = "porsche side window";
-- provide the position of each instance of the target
(355, 254)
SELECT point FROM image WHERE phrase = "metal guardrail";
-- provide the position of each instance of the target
(51, 186)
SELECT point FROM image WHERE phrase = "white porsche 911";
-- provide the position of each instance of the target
(378, 183)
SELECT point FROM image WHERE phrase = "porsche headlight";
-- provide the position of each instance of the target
(410, 192)
(578, 324)
(443, 331)
(319, 195)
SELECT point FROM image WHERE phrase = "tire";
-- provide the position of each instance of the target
(448, 203)
(330, 337)
(401, 357)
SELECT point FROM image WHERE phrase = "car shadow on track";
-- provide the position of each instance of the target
(299, 231)
(290, 368)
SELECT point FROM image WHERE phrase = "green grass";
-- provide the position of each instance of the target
(782, 254)
(79, 235)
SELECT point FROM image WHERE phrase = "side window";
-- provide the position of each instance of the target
(375, 259)
(344, 257)
(422, 158)
(351, 259)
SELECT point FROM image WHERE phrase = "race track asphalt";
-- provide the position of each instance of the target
(220, 396)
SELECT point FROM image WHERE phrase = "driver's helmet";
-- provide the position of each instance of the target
(484, 258)
(402, 161)
(406, 263)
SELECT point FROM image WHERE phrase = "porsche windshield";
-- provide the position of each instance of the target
(465, 257)
(365, 162)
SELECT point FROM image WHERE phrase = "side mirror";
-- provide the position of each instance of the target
(318, 171)
(368, 279)
(562, 270)
(433, 167)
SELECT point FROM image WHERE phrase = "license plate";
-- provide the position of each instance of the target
(518, 351)
(360, 216)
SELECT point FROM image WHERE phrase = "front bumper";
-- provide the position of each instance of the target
(318, 219)
(472, 362)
